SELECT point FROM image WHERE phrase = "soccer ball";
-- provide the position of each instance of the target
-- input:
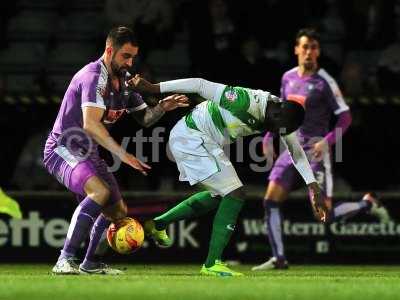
(125, 237)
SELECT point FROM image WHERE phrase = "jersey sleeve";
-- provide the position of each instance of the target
(207, 89)
(93, 89)
(235, 99)
(334, 95)
(136, 103)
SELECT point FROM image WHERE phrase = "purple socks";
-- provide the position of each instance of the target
(98, 229)
(273, 220)
(82, 221)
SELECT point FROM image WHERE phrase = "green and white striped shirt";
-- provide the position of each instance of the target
(233, 112)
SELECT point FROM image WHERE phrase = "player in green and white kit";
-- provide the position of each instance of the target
(196, 143)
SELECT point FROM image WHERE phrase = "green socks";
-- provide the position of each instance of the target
(223, 227)
(194, 206)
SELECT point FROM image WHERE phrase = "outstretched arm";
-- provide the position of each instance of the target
(299, 158)
(150, 115)
(206, 89)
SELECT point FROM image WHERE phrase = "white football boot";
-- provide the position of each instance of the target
(66, 266)
(272, 264)
(100, 269)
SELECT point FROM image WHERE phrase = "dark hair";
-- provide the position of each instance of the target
(284, 117)
(309, 32)
(292, 116)
(119, 36)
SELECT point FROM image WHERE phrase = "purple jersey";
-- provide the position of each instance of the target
(319, 94)
(91, 86)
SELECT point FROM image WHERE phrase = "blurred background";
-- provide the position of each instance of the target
(45, 42)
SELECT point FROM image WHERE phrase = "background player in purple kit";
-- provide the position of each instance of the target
(319, 93)
(97, 95)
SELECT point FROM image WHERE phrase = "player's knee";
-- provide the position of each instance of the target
(101, 195)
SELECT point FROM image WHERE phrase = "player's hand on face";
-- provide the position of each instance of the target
(319, 149)
(140, 84)
(135, 163)
(320, 209)
(174, 101)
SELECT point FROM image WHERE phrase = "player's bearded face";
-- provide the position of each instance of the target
(117, 69)
(307, 51)
(123, 59)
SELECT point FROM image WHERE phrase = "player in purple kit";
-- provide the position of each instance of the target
(97, 95)
(319, 93)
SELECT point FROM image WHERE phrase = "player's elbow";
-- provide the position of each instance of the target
(349, 118)
(199, 83)
(345, 119)
(90, 127)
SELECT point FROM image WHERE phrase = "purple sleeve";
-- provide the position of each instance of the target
(334, 96)
(93, 88)
(342, 124)
(283, 85)
(136, 102)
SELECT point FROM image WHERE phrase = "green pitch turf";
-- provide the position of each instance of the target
(143, 282)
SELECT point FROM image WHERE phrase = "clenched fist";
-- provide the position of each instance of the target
(141, 85)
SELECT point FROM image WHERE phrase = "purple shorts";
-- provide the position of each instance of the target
(73, 172)
(285, 174)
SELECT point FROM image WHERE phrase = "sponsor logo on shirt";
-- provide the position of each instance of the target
(112, 115)
(231, 95)
(297, 98)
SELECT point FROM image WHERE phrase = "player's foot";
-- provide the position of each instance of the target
(272, 263)
(377, 208)
(66, 266)
(160, 237)
(100, 269)
(219, 269)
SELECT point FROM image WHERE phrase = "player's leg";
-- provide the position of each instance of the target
(92, 264)
(227, 184)
(113, 211)
(276, 193)
(80, 177)
(281, 179)
(194, 206)
(223, 227)
(194, 163)
(97, 194)
(368, 203)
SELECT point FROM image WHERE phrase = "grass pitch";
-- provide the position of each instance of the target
(183, 282)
